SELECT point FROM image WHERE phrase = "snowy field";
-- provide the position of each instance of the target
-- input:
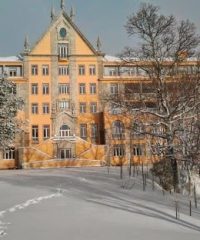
(89, 204)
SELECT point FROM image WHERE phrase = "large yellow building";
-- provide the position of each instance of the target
(64, 121)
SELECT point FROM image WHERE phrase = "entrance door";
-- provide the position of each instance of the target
(65, 153)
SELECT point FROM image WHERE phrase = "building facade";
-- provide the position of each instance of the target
(64, 121)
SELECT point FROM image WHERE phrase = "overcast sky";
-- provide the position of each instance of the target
(105, 18)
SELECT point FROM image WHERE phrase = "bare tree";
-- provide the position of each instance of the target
(169, 91)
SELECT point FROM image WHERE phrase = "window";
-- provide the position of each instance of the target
(45, 108)
(34, 108)
(34, 69)
(63, 70)
(82, 107)
(45, 88)
(114, 88)
(82, 89)
(94, 130)
(137, 150)
(81, 69)
(93, 88)
(9, 154)
(113, 72)
(131, 88)
(93, 107)
(141, 72)
(12, 72)
(118, 130)
(63, 88)
(65, 131)
(63, 105)
(65, 153)
(119, 150)
(63, 50)
(115, 109)
(83, 131)
(128, 71)
(92, 70)
(34, 88)
(46, 131)
(45, 70)
(35, 133)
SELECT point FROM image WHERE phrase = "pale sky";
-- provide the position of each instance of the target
(104, 18)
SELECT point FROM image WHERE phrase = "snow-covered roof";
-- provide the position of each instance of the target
(108, 58)
(10, 59)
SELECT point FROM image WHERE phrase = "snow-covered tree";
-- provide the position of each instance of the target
(169, 91)
(9, 105)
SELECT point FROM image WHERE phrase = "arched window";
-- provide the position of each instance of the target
(65, 131)
(118, 129)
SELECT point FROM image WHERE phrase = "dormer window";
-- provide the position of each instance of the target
(63, 50)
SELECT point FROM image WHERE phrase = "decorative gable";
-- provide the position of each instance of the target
(63, 31)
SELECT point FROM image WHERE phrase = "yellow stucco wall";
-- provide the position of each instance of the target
(7, 164)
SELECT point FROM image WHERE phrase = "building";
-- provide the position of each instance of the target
(64, 121)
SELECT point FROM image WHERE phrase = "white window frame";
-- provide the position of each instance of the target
(64, 88)
(45, 108)
(63, 50)
(34, 88)
(114, 88)
(94, 130)
(93, 88)
(65, 131)
(9, 154)
(92, 70)
(12, 72)
(93, 107)
(34, 108)
(45, 70)
(64, 105)
(118, 150)
(63, 70)
(82, 107)
(83, 131)
(35, 133)
(81, 69)
(46, 131)
(34, 70)
(45, 88)
(82, 88)
(137, 150)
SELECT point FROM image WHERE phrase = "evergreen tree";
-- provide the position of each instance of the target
(9, 105)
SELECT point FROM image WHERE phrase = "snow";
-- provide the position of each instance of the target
(87, 203)
(108, 58)
(9, 59)
(196, 180)
(21, 206)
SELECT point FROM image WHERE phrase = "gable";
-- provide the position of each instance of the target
(47, 44)
(43, 46)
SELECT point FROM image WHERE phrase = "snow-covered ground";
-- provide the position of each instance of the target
(87, 203)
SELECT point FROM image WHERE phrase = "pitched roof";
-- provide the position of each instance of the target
(74, 26)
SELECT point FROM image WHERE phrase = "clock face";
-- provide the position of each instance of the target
(63, 32)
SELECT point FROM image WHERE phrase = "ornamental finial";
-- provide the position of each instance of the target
(62, 4)
(98, 44)
(52, 13)
(72, 13)
(26, 44)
